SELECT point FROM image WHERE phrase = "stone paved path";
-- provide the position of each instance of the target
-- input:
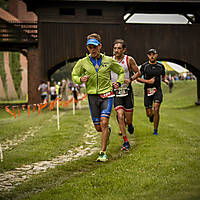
(10, 179)
(10, 144)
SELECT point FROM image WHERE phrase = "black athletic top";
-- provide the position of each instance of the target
(152, 70)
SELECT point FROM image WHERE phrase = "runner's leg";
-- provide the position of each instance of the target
(128, 105)
(122, 127)
(156, 115)
(95, 111)
(98, 127)
(129, 117)
(157, 102)
(149, 112)
(104, 129)
(148, 102)
(106, 108)
(119, 108)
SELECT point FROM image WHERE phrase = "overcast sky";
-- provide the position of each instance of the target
(158, 19)
(161, 19)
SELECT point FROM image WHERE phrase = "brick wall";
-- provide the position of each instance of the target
(34, 76)
(18, 9)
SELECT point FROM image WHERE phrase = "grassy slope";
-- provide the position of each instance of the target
(157, 167)
(47, 141)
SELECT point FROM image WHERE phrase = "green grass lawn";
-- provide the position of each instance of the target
(163, 167)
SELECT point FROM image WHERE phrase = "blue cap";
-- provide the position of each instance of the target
(93, 41)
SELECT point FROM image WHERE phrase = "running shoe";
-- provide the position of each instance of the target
(155, 132)
(131, 129)
(109, 132)
(125, 146)
(102, 157)
(151, 118)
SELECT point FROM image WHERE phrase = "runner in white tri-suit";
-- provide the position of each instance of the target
(124, 101)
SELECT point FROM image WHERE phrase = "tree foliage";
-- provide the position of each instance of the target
(16, 71)
(64, 72)
(4, 4)
(2, 71)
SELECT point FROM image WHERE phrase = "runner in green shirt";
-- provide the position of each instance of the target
(94, 70)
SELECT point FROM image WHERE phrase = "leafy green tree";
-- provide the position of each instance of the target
(64, 72)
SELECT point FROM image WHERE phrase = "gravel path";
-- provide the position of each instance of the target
(10, 179)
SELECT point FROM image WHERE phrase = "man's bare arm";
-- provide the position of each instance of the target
(135, 69)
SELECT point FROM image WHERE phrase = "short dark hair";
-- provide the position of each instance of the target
(121, 41)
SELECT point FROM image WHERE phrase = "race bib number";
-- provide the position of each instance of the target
(122, 91)
(107, 95)
(151, 91)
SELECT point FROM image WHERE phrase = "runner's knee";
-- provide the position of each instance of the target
(121, 117)
(128, 121)
(149, 113)
(156, 109)
(104, 123)
(98, 128)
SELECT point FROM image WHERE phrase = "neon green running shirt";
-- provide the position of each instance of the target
(99, 82)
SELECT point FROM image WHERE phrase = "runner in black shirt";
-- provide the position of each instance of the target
(152, 74)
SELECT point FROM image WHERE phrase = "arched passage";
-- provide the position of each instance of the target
(64, 64)
(191, 68)
(186, 65)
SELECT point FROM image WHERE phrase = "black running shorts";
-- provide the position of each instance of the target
(126, 103)
(157, 97)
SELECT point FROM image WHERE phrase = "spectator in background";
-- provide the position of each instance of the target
(75, 90)
(171, 84)
(43, 89)
(58, 89)
(188, 77)
(176, 78)
(70, 85)
(53, 91)
(170, 79)
(64, 90)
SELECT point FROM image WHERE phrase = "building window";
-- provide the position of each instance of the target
(67, 11)
(94, 12)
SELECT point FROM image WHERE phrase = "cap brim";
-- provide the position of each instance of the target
(93, 43)
(152, 52)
